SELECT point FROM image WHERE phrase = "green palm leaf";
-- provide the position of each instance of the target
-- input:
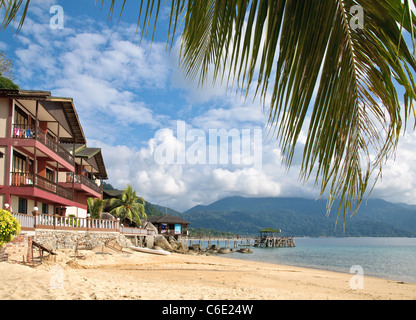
(307, 47)
(312, 67)
(95, 207)
(129, 206)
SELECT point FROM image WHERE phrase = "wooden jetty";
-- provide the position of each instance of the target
(220, 242)
(268, 239)
(275, 242)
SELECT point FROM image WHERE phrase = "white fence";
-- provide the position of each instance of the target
(46, 221)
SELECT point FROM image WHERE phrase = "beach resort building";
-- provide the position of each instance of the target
(47, 173)
(45, 164)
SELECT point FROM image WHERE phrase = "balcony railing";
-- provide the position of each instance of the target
(28, 132)
(26, 221)
(83, 180)
(59, 222)
(26, 179)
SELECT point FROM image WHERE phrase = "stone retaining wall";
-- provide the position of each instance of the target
(20, 249)
(3, 255)
(55, 239)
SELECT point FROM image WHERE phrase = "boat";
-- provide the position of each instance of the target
(147, 250)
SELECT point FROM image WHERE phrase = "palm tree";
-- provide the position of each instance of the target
(129, 206)
(334, 66)
(95, 207)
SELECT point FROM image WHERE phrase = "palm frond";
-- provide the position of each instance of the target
(129, 206)
(308, 63)
(305, 47)
(11, 10)
(95, 207)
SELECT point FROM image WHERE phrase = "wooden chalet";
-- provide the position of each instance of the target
(269, 238)
(170, 225)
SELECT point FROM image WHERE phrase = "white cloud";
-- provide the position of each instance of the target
(102, 69)
(3, 46)
(182, 186)
(398, 182)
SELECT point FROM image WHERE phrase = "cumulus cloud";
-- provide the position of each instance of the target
(182, 184)
(398, 180)
(103, 69)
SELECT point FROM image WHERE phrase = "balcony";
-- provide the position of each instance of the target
(26, 179)
(80, 180)
(28, 132)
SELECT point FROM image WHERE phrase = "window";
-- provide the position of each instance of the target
(19, 162)
(23, 205)
(19, 174)
(21, 118)
(49, 174)
(45, 208)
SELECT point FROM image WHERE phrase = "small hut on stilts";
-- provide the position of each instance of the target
(269, 239)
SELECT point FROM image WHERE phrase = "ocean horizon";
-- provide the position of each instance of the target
(390, 258)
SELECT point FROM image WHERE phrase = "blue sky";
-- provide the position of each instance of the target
(130, 96)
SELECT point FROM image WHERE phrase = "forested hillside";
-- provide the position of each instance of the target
(303, 217)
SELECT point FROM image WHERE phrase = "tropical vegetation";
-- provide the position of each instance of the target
(149, 209)
(342, 69)
(209, 232)
(129, 207)
(7, 84)
(302, 217)
(95, 207)
(6, 73)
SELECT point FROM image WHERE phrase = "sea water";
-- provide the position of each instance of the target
(389, 258)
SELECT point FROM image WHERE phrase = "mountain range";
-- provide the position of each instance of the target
(301, 217)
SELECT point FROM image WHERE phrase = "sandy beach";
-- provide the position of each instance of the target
(141, 276)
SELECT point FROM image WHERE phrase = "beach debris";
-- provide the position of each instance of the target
(42, 249)
(112, 244)
(74, 265)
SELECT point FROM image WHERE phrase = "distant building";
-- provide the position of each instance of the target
(109, 194)
(170, 225)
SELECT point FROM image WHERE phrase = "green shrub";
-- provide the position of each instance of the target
(9, 227)
(72, 221)
(7, 84)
